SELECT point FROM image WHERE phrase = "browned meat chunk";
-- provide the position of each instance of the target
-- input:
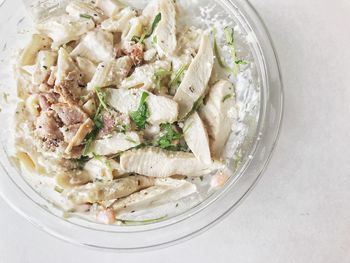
(69, 114)
(136, 53)
(47, 130)
(69, 88)
(46, 99)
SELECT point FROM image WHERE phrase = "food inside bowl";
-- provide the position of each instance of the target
(123, 110)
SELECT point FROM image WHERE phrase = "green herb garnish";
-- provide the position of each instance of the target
(98, 120)
(58, 189)
(241, 62)
(102, 96)
(154, 40)
(109, 166)
(81, 162)
(237, 161)
(183, 148)
(167, 140)
(230, 40)
(129, 139)
(159, 75)
(176, 81)
(147, 221)
(136, 39)
(122, 128)
(154, 25)
(144, 36)
(86, 16)
(226, 97)
(229, 35)
(196, 105)
(218, 54)
(140, 116)
(45, 67)
(95, 156)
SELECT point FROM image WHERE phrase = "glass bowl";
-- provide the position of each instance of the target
(258, 145)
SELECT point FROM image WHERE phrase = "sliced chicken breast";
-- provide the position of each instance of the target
(194, 84)
(122, 100)
(116, 143)
(98, 191)
(197, 139)
(156, 162)
(69, 114)
(215, 115)
(161, 109)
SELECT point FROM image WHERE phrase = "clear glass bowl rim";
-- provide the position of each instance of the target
(27, 203)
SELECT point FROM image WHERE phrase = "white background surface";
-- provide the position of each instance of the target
(300, 210)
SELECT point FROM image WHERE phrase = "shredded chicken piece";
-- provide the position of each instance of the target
(43, 87)
(69, 114)
(69, 88)
(136, 53)
(47, 130)
(46, 99)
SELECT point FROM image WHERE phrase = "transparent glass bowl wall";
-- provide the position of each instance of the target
(15, 190)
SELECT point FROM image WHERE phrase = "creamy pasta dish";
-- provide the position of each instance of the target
(124, 108)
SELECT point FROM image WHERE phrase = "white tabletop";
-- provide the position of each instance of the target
(299, 212)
